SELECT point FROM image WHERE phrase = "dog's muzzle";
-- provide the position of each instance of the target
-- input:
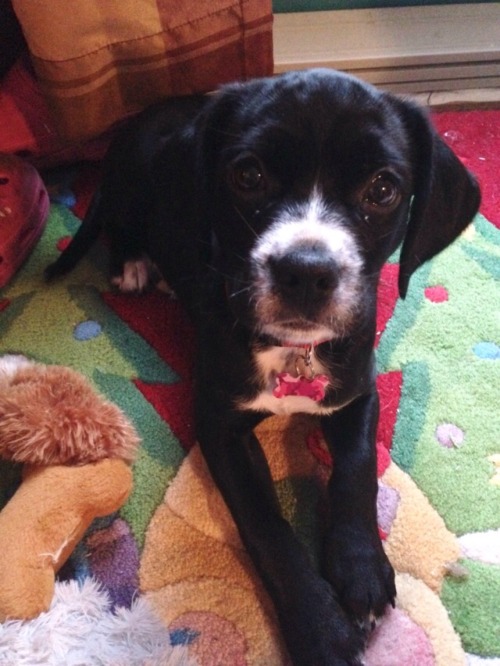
(304, 278)
(307, 277)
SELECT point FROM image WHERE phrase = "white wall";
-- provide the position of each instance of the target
(406, 49)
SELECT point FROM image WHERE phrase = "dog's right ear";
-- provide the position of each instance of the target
(446, 195)
(213, 129)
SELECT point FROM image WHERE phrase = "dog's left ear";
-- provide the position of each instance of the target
(446, 195)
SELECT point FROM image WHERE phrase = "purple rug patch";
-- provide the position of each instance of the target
(114, 561)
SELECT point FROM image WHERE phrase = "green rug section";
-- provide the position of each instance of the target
(141, 359)
(448, 424)
(403, 318)
(151, 480)
(56, 312)
(298, 497)
(160, 454)
(447, 352)
(408, 430)
(473, 603)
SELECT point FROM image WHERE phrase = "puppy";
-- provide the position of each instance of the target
(270, 208)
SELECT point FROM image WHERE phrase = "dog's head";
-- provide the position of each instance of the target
(311, 180)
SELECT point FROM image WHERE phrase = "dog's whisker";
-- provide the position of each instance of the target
(246, 221)
(234, 279)
(239, 256)
(219, 272)
(202, 241)
(241, 291)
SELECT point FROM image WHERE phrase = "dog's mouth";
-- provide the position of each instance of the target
(270, 317)
(298, 324)
(297, 332)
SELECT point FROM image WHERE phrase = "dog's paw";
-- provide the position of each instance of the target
(361, 574)
(135, 277)
(318, 631)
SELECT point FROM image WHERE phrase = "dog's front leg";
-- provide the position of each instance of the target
(316, 630)
(354, 560)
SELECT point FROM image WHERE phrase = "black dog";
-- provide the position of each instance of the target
(270, 208)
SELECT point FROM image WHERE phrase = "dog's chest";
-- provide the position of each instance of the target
(280, 370)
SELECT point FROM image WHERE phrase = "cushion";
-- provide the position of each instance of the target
(99, 62)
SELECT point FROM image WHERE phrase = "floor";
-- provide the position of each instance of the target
(461, 98)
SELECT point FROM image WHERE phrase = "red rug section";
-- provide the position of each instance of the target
(475, 138)
(387, 296)
(389, 388)
(84, 187)
(162, 322)
(174, 403)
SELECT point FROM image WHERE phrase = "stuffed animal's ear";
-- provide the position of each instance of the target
(446, 195)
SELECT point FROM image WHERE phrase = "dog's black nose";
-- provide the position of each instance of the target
(305, 276)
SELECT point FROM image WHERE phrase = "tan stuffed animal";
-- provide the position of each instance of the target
(78, 447)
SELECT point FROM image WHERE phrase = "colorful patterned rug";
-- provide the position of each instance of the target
(173, 544)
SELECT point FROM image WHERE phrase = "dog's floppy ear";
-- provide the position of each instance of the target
(446, 195)
(210, 135)
(213, 127)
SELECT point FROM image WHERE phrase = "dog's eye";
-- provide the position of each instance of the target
(382, 192)
(247, 175)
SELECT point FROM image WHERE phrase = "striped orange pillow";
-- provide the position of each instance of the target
(98, 62)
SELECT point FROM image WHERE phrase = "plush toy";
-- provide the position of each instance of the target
(77, 448)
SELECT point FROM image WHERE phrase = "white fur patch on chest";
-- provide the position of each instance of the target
(272, 361)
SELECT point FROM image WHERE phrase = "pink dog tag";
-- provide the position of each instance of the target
(314, 388)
